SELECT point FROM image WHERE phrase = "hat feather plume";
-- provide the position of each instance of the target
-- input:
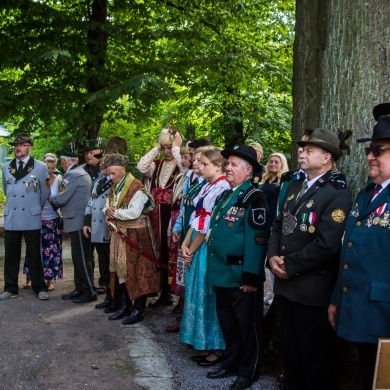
(345, 136)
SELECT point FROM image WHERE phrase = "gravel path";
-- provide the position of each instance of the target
(57, 344)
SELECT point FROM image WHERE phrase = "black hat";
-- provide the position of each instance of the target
(22, 138)
(68, 150)
(326, 140)
(247, 153)
(92, 144)
(381, 130)
(199, 142)
(381, 109)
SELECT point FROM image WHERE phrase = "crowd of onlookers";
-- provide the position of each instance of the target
(203, 224)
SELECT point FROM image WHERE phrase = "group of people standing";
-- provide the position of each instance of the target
(205, 223)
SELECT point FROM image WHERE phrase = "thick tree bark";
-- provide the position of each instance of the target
(97, 51)
(341, 71)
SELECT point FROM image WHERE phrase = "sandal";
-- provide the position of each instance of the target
(50, 285)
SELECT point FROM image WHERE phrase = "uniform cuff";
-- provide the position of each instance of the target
(252, 280)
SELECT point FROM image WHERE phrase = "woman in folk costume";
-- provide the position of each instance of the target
(178, 192)
(191, 188)
(125, 209)
(199, 326)
(159, 175)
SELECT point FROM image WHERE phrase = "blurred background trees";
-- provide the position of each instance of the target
(82, 69)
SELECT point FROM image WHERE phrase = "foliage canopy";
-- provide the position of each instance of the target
(79, 68)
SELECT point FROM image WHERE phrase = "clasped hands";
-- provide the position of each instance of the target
(110, 213)
(277, 267)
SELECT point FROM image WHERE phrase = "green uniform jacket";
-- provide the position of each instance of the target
(238, 237)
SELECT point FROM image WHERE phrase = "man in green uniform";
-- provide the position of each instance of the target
(237, 245)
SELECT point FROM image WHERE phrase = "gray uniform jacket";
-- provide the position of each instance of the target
(74, 193)
(26, 194)
(94, 216)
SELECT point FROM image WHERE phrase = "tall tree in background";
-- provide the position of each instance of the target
(341, 71)
(75, 65)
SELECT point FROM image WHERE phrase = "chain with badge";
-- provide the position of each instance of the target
(290, 220)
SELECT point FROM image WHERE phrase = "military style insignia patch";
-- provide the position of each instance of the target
(62, 188)
(338, 215)
(258, 216)
(259, 239)
(47, 183)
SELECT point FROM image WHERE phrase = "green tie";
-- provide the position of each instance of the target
(302, 191)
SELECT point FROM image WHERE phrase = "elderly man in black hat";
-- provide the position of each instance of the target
(73, 196)
(237, 246)
(303, 255)
(27, 188)
(360, 309)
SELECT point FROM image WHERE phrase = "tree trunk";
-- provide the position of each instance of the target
(341, 71)
(97, 51)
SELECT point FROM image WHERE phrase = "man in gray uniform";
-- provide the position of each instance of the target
(95, 228)
(73, 197)
(26, 186)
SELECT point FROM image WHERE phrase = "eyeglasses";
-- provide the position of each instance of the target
(375, 150)
(21, 145)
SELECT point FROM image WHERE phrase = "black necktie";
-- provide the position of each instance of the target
(20, 167)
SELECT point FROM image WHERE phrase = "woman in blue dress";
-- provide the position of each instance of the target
(200, 327)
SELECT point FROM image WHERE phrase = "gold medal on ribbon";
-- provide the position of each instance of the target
(311, 229)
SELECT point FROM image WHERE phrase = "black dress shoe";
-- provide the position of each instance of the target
(72, 295)
(112, 308)
(241, 383)
(204, 362)
(100, 290)
(122, 312)
(220, 373)
(135, 316)
(197, 358)
(85, 298)
(164, 299)
(104, 305)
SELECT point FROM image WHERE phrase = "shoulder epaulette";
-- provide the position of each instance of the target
(250, 195)
(338, 181)
(287, 176)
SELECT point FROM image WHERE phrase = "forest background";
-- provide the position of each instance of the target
(86, 69)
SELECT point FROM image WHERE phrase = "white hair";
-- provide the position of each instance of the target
(68, 158)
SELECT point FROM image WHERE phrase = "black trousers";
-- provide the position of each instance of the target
(103, 252)
(306, 339)
(240, 316)
(367, 357)
(13, 251)
(82, 264)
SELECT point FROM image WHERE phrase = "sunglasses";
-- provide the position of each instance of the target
(375, 150)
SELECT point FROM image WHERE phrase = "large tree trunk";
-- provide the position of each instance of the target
(97, 51)
(341, 71)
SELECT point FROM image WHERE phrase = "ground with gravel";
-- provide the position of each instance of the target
(57, 344)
